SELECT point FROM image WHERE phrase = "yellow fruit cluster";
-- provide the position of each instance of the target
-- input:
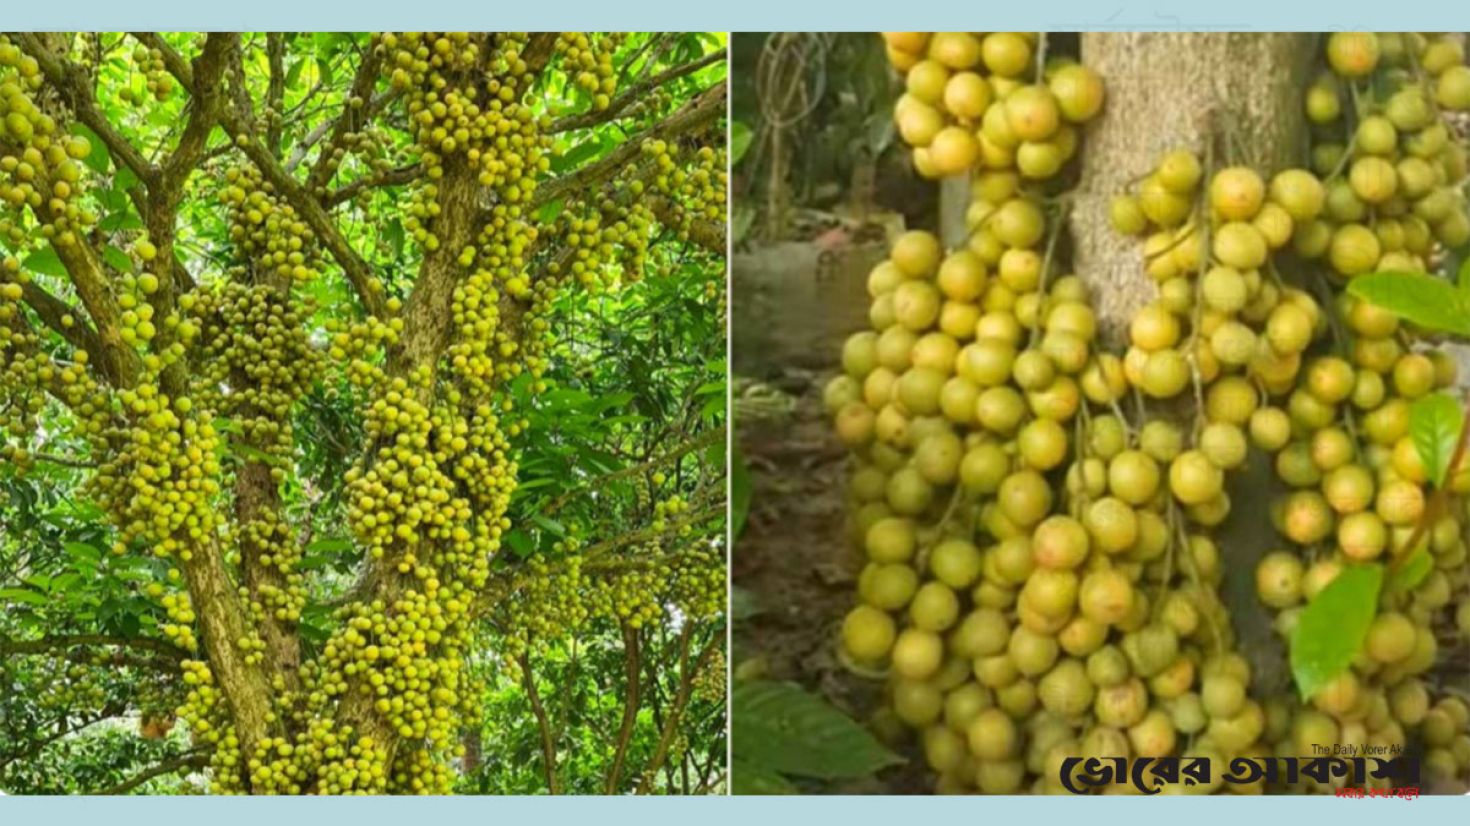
(967, 101)
(40, 164)
(1042, 579)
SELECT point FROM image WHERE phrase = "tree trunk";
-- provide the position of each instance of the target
(1239, 91)
(1237, 95)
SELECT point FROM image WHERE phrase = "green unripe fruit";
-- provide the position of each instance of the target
(1161, 440)
(955, 562)
(992, 735)
(1151, 649)
(1222, 695)
(1030, 652)
(1107, 666)
(1025, 497)
(984, 467)
(1391, 637)
(909, 493)
(1065, 690)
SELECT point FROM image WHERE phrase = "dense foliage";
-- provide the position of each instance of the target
(362, 412)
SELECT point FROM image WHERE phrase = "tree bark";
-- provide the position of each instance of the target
(1239, 91)
(1237, 95)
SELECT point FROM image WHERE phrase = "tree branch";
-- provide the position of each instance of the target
(275, 93)
(52, 642)
(633, 93)
(392, 177)
(63, 729)
(548, 746)
(707, 234)
(352, 119)
(52, 310)
(190, 760)
(631, 668)
(671, 455)
(681, 701)
(646, 533)
(238, 127)
(698, 113)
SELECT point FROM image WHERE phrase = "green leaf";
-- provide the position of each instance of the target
(82, 552)
(123, 219)
(740, 140)
(780, 728)
(394, 235)
(1431, 303)
(740, 490)
(751, 779)
(520, 543)
(254, 454)
(579, 154)
(97, 158)
(332, 545)
(117, 259)
(22, 595)
(1407, 575)
(550, 210)
(1331, 629)
(46, 261)
(550, 524)
(1435, 421)
(1464, 276)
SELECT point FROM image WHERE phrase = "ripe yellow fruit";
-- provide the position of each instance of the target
(1179, 171)
(953, 151)
(1007, 54)
(1193, 479)
(918, 122)
(1352, 54)
(868, 633)
(1236, 193)
(1162, 205)
(1018, 223)
(1032, 113)
(1240, 245)
(957, 50)
(911, 42)
(1373, 179)
(916, 253)
(967, 95)
(926, 81)
(917, 654)
(1355, 249)
(1299, 192)
(1079, 92)
(1452, 91)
